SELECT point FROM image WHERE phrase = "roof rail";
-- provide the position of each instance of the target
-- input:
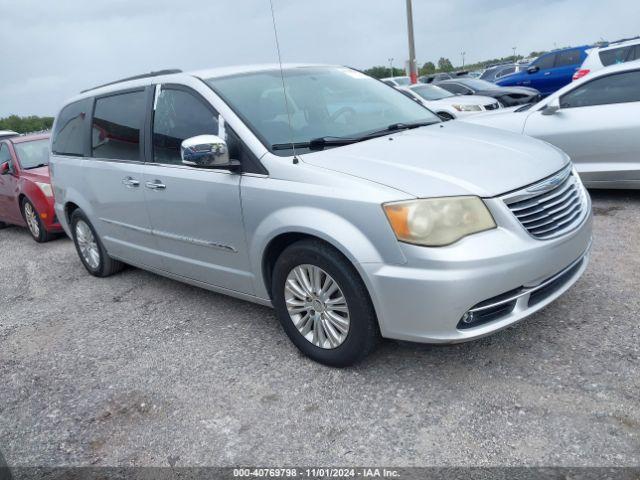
(136, 77)
(622, 40)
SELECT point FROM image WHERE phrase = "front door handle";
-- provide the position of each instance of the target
(130, 182)
(155, 185)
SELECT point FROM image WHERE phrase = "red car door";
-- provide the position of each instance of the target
(9, 208)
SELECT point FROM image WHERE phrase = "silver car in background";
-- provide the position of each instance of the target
(352, 210)
(447, 105)
(595, 120)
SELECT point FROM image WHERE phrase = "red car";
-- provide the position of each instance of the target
(26, 195)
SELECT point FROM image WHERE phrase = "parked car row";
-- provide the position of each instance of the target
(596, 120)
(335, 200)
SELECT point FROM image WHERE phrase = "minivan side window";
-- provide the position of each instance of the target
(117, 122)
(70, 130)
(179, 115)
(616, 88)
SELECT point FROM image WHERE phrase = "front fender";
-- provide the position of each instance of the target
(336, 230)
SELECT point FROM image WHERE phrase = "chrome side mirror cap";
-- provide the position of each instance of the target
(207, 151)
(551, 108)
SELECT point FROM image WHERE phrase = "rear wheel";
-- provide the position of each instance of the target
(323, 304)
(34, 223)
(92, 253)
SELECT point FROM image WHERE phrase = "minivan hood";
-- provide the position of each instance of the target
(446, 159)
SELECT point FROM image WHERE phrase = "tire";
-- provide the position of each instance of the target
(34, 223)
(362, 333)
(445, 116)
(92, 253)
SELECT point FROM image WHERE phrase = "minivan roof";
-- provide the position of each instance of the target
(167, 75)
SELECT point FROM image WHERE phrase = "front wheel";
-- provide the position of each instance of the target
(34, 223)
(92, 253)
(323, 304)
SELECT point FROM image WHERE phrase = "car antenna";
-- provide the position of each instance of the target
(284, 89)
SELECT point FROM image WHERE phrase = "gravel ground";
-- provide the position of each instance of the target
(139, 370)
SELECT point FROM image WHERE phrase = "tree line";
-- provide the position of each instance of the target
(444, 65)
(31, 123)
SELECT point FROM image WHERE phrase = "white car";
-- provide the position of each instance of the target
(596, 120)
(615, 52)
(7, 134)
(447, 105)
(397, 81)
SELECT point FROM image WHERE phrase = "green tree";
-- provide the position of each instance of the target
(428, 68)
(31, 123)
(444, 65)
(383, 72)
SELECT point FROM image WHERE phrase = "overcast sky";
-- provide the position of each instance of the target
(51, 50)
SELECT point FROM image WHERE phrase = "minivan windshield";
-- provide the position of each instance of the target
(335, 105)
(33, 154)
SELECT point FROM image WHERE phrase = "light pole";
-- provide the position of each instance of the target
(514, 53)
(463, 53)
(412, 48)
(390, 66)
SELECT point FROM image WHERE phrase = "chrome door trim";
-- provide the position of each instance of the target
(195, 241)
(173, 236)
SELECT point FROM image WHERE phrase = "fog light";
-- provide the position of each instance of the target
(468, 318)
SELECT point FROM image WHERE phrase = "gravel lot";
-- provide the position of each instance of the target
(138, 370)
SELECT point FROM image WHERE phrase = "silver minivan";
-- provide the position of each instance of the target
(352, 210)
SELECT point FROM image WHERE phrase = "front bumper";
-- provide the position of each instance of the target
(425, 299)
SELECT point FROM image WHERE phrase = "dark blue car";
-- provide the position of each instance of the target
(549, 72)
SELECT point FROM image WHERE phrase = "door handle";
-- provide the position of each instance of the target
(547, 73)
(130, 182)
(155, 185)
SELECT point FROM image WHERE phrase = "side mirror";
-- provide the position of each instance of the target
(5, 168)
(551, 108)
(207, 151)
(533, 69)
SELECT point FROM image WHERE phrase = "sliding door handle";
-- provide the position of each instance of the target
(155, 185)
(130, 182)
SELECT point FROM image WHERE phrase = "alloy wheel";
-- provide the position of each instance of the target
(31, 217)
(317, 306)
(87, 244)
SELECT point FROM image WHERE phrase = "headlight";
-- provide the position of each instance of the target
(435, 222)
(468, 108)
(46, 189)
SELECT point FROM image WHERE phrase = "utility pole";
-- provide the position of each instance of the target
(390, 66)
(412, 47)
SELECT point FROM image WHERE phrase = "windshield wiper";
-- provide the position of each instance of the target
(37, 166)
(322, 142)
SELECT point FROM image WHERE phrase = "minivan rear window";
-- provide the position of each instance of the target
(69, 131)
(117, 122)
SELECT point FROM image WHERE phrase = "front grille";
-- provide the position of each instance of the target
(556, 284)
(550, 208)
(491, 106)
